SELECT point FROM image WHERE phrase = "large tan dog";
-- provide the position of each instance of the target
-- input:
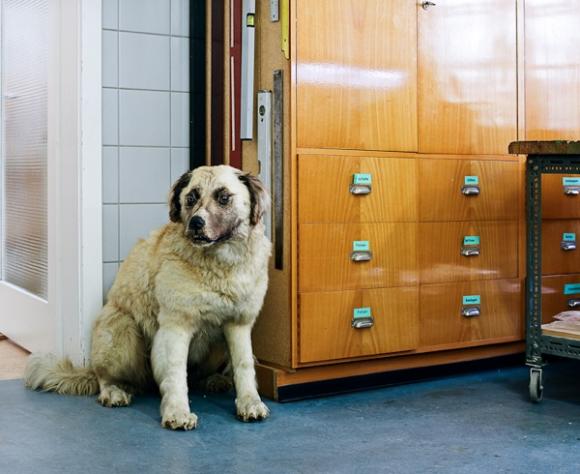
(191, 286)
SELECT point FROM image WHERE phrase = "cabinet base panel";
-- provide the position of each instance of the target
(288, 385)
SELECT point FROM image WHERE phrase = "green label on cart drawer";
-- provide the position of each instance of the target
(572, 288)
(361, 313)
(360, 246)
(472, 299)
(471, 180)
(471, 240)
(362, 178)
(569, 237)
(571, 181)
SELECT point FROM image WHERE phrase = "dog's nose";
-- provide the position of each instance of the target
(197, 223)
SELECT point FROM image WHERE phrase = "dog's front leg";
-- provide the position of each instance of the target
(249, 407)
(169, 360)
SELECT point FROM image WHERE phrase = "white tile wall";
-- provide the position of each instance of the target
(145, 119)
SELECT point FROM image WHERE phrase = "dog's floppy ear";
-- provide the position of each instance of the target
(174, 194)
(259, 199)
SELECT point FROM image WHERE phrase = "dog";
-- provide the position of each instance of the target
(187, 296)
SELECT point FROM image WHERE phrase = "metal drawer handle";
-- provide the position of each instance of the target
(571, 190)
(426, 5)
(470, 311)
(567, 246)
(360, 189)
(470, 190)
(470, 251)
(573, 302)
(361, 256)
(362, 323)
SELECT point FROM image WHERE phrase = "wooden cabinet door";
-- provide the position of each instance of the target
(557, 294)
(556, 204)
(356, 65)
(467, 96)
(552, 69)
(558, 253)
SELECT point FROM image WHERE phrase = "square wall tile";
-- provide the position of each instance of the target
(144, 61)
(144, 118)
(180, 17)
(180, 119)
(109, 274)
(110, 58)
(145, 16)
(110, 117)
(110, 232)
(179, 162)
(137, 222)
(145, 174)
(110, 175)
(180, 64)
(110, 14)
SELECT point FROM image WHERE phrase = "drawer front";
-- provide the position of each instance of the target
(459, 190)
(554, 297)
(325, 194)
(559, 200)
(334, 256)
(440, 251)
(559, 242)
(468, 312)
(326, 323)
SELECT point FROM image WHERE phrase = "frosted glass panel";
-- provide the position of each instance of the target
(25, 95)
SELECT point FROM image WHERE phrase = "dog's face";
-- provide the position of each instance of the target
(217, 203)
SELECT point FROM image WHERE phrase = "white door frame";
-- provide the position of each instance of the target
(74, 176)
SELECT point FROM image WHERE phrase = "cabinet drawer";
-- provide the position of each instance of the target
(468, 312)
(440, 251)
(558, 235)
(559, 201)
(325, 195)
(326, 253)
(326, 323)
(554, 297)
(459, 190)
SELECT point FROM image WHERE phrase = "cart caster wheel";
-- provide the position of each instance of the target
(536, 385)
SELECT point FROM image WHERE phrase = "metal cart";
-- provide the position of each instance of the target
(543, 157)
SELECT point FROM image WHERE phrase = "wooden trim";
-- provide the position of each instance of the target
(293, 187)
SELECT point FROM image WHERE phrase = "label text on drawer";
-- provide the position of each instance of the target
(571, 181)
(471, 240)
(572, 288)
(471, 180)
(361, 178)
(360, 246)
(472, 299)
(569, 237)
(361, 313)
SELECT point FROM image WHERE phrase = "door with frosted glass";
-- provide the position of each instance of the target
(25, 278)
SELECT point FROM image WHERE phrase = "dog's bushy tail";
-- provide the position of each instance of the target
(47, 373)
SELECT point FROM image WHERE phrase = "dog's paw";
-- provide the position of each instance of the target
(217, 383)
(179, 420)
(251, 409)
(112, 396)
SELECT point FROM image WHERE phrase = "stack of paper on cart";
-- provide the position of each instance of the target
(566, 324)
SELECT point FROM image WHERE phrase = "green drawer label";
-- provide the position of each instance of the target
(361, 313)
(569, 237)
(471, 180)
(572, 288)
(472, 299)
(360, 246)
(571, 181)
(362, 178)
(471, 240)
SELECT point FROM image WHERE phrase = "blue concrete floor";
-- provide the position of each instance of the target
(481, 422)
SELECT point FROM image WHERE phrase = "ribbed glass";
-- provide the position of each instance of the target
(25, 104)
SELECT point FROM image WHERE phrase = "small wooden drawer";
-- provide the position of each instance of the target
(560, 196)
(349, 256)
(470, 312)
(559, 293)
(459, 190)
(326, 192)
(326, 323)
(560, 248)
(442, 245)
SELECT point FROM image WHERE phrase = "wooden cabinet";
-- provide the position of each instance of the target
(559, 241)
(355, 83)
(467, 77)
(557, 203)
(559, 293)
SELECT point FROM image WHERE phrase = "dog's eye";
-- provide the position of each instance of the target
(190, 200)
(223, 199)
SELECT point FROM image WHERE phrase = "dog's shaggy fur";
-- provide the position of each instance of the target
(187, 296)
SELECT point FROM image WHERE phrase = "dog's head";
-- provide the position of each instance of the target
(217, 203)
